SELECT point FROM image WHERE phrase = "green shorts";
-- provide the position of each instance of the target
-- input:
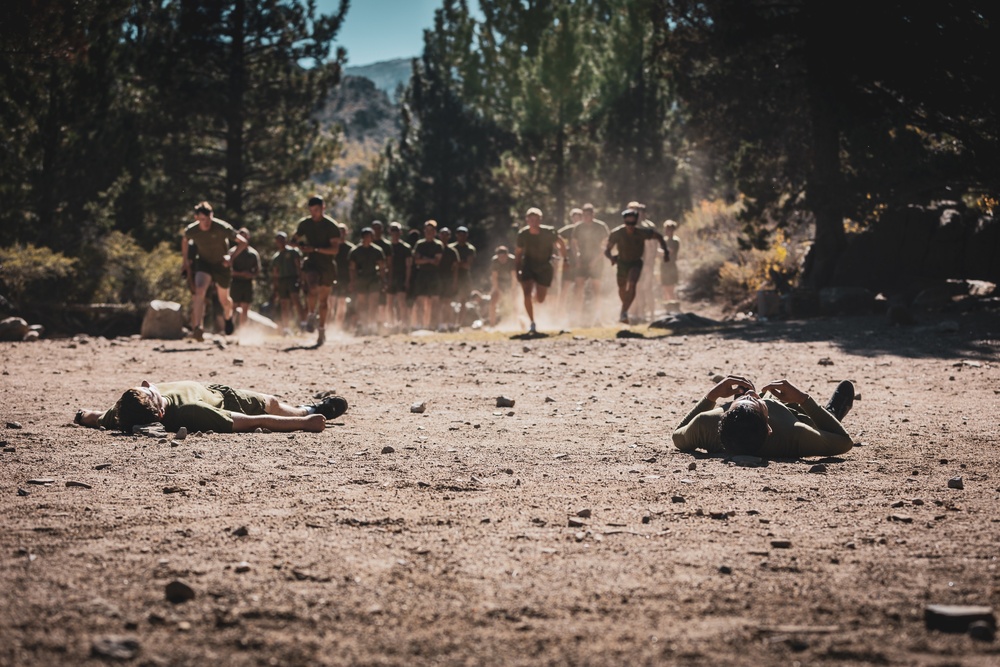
(540, 274)
(221, 275)
(319, 273)
(241, 400)
(241, 290)
(287, 287)
(629, 272)
(367, 284)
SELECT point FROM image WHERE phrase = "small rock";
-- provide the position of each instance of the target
(173, 489)
(826, 361)
(575, 523)
(549, 399)
(184, 626)
(418, 408)
(177, 592)
(721, 516)
(9, 450)
(388, 449)
(956, 483)
(901, 518)
(692, 466)
(677, 499)
(79, 485)
(897, 504)
(819, 467)
(182, 433)
(781, 544)
(242, 567)
(661, 374)
(917, 501)
(42, 481)
(114, 647)
(725, 569)
(584, 514)
(22, 492)
(256, 430)
(956, 618)
(646, 518)
(241, 532)
(14, 425)
(505, 402)
(102, 466)
(237, 362)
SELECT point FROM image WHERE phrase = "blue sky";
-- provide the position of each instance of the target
(377, 30)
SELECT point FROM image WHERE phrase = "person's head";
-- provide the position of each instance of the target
(588, 211)
(139, 405)
(630, 217)
(744, 426)
(395, 230)
(377, 228)
(502, 253)
(576, 214)
(316, 207)
(203, 213)
(669, 228)
(533, 216)
(245, 232)
(430, 229)
(462, 234)
(367, 234)
(636, 206)
(444, 234)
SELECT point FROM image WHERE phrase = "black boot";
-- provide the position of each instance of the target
(842, 400)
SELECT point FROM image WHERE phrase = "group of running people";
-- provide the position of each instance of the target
(423, 279)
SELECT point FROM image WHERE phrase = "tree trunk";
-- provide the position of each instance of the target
(235, 168)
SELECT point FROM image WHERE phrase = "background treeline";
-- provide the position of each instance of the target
(769, 128)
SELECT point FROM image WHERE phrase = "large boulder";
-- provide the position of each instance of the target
(163, 320)
(13, 328)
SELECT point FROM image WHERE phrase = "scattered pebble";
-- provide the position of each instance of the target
(781, 544)
(692, 466)
(646, 518)
(584, 514)
(14, 425)
(242, 567)
(418, 408)
(725, 569)
(677, 499)
(956, 618)
(549, 399)
(42, 481)
(79, 485)
(114, 647)
(575, 523)
(901, 518)
(388, 449)
(182, 433)
(9, 450)
(241, 532)
(177, 592)
(956, 483)
(826, 361)
(819, 467)
(102, 466)
(22, 492)
(505, 402)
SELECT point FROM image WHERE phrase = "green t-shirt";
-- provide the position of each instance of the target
(537, 248)
(427, 249)
(366, 260)
(189, 404)
(286, 262)
(248, 260)
(318, 234)
(466, 253)
(590, 238)
(630, 246)
(212, 244)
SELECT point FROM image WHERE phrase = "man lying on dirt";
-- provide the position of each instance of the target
(790, 425)
(213, 407)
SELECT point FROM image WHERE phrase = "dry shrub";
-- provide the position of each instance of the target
(29, 271)
(709, 236)
(129, 274)
(752, 270)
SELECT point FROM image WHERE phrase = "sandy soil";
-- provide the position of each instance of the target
(458, 547)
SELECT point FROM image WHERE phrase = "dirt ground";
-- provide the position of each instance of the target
(457, 546)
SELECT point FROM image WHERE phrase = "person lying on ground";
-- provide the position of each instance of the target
(212, 407)
(789, 425)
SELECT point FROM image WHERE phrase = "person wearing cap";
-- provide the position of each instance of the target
(427, 254)
(586, 246)
(645, 303)
(447, 279)
(286, 267)
(568, 263)
(400, 266)
(536, 243)
(630, 241)
(669, 276)
(502, 277)
(246, 268)
(210, 237)
(341, 286)
(367, 272)
(463, 275)
(318, 237)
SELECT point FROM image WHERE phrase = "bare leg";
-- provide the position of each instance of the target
(201, 282)
(526, 288)
(226, 301)
(246, 423)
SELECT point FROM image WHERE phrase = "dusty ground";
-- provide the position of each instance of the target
(456, 548)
